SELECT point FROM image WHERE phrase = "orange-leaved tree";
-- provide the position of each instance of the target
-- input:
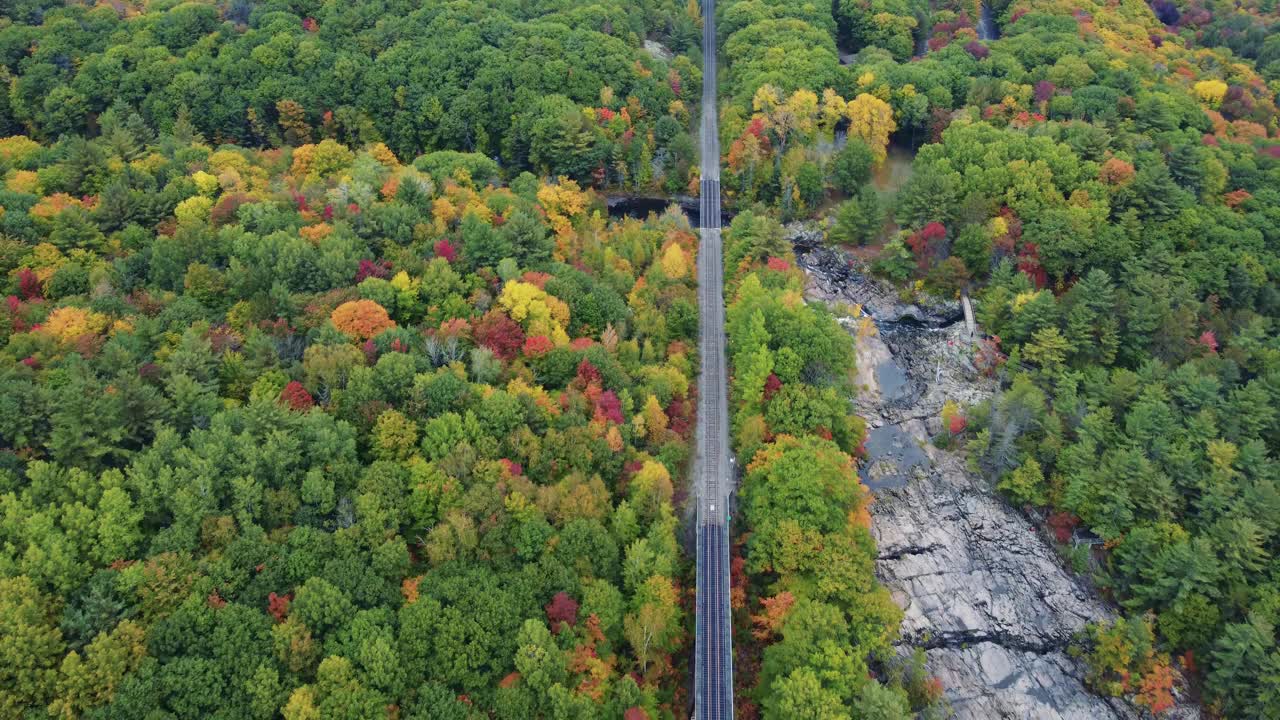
(362, 319)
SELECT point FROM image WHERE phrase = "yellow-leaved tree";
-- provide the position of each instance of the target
(788, 117)
(206, 183)
(833, 110)
(674, 263)
(655, 421)
(650, 488)
(69, 323)
(563, 202)
(871, 120)
(538, 312)
(320, 160)
(653, 629)
(194, 210)
(1211, 92)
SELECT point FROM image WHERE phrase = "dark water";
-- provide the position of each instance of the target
(894, 172)
(892, 456)
(621, 206)
(892, 381)
(642, 207)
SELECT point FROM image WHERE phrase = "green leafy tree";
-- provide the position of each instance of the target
(1026, 484)
(31, 644)
(858, 220)
(851, 167)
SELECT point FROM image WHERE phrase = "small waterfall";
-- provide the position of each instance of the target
(987, 29)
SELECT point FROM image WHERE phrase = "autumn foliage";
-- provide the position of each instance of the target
(500, 334)
(278, 606)
(362, 319)
(536, 346)
(562, 610)
(296, 396)
(29, 285)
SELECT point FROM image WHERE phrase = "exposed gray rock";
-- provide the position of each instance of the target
(985, 596)
(990, 680)
(833, 278)
(982, 591)
(658, 50)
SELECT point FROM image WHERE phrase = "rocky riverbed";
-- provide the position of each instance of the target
(984, 594)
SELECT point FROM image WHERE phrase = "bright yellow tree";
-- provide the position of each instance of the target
(803, 106)
(540, 313)
(674, 263)
(655, 420)
(320, 160)
(563, 202)
(206, 183)
(650, 488)
(1211, 92)
(795, 115)
(833, 109)
(193, 210)
(69, 323)
(871, 120)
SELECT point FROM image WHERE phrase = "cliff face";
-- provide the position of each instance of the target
(984, 594)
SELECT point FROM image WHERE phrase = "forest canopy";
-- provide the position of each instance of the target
(330, 390)
(499, 79)
(315, 432)
(1103, 180)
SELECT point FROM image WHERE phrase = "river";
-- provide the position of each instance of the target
(641, 207)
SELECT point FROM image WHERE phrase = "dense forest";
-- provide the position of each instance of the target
(331, 438)
(1106, 178)
(329, 390)
(315, 407)
(1122, 223)
(503, 79)
(254, 468)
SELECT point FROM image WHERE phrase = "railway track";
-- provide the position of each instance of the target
(713, 655)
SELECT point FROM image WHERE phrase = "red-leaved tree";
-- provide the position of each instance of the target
(1209, 340)
(373, 268)
(537, 346)
(278, 606)
(445, 249)
(1029, 264)
(929, 245)
(296, 397)
(562, 609)
(502, 335)
(587, 374)
(29, 286)
(608, 407)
